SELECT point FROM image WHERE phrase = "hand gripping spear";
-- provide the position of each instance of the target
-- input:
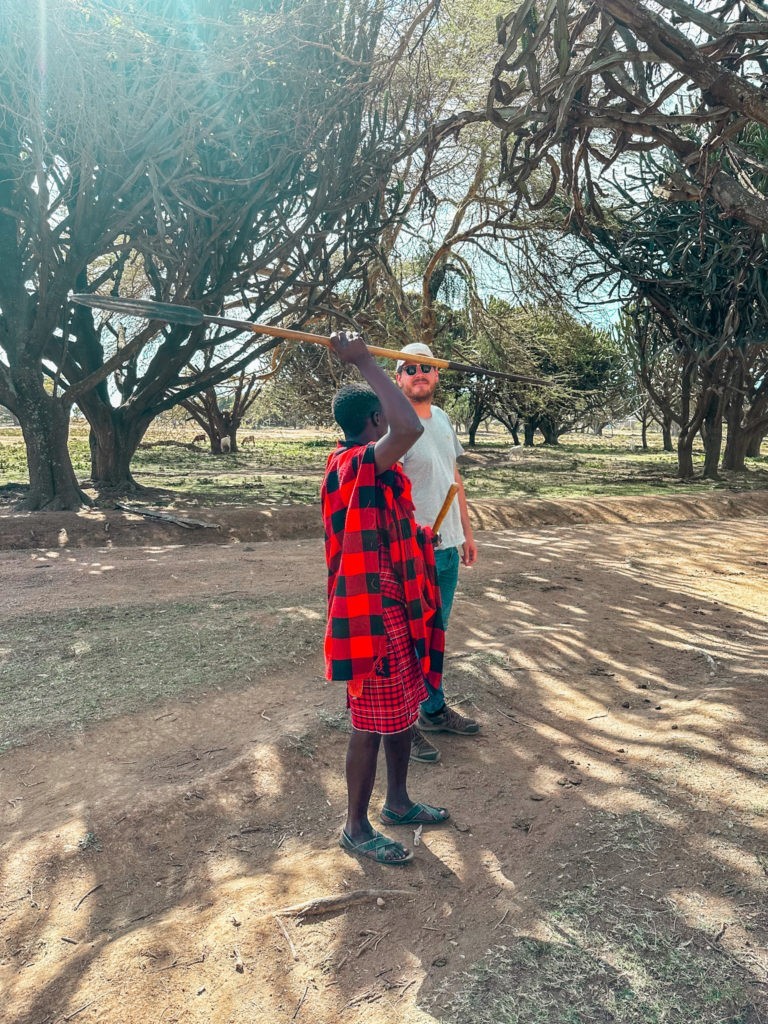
(189, 316)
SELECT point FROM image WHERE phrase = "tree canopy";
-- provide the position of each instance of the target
(201, 153)
(578, 86)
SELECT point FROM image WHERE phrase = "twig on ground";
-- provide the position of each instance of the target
(291, 946)
(85, 1006)
(503, 919)
(84, 898)
(301, 1003)
(507, 715)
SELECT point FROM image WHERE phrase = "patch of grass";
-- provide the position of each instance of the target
(336, 720)
(662, 980)
(66, 669)
(582, 467)
(618, 953)
(287, 467)
(90, 842)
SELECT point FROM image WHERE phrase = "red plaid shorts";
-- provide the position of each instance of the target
(390, 702)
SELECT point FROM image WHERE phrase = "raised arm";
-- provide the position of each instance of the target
(403, 422)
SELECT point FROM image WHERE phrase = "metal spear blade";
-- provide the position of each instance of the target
(146, 308)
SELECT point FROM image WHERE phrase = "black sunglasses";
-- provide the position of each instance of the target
(412, 368)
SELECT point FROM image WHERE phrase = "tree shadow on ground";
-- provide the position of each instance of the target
(578, 799)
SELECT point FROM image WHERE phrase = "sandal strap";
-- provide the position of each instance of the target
(432, 814)
(378, 845)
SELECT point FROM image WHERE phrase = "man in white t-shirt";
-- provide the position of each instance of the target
(431, 467)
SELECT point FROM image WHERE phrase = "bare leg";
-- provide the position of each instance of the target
(397, 749)
(362, 753)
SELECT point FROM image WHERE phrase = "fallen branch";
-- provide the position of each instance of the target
(329, 904)
(190, 446)
(166, 517)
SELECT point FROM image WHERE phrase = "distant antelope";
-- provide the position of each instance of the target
(200, 437)
(250, 439)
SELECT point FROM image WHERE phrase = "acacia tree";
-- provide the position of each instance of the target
(578, 85)
(220, 411)
(455, 241)
(697, 286)
(242, 150)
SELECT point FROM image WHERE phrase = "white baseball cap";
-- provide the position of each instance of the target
(416, 348)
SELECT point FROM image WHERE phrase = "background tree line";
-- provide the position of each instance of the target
(313, 163)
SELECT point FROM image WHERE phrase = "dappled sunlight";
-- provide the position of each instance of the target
(620, 772)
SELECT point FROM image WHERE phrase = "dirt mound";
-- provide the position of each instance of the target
(534, 512)
(254, 523)
(102, 528)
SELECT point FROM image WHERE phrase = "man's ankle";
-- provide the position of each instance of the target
(434, 714)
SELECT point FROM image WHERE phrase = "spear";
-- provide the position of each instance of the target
(189, 316)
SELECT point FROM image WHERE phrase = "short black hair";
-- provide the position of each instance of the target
(352, 407)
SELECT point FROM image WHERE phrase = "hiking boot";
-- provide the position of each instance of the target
(448, 720)
(422, 750)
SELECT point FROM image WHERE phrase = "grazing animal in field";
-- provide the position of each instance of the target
(226, 445)
(250, 439)
(198, 438)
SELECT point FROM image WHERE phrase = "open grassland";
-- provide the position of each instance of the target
(287, 466)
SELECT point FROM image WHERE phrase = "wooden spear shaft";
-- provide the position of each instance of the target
(453, 490)
(190, 316)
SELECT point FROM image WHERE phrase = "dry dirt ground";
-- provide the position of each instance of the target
(619, 672)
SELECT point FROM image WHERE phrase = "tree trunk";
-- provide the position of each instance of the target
(644, 431)
(477, 418)
(713, 443)
(529, 430)
(737, 449)
(687, 429)
(685, 454)
(114, 439)
(44, 424)
(753, 447)
(738, 439)
(549, 431)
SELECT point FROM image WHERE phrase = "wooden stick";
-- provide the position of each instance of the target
(453, 490)
(190, 316)
(326, 904)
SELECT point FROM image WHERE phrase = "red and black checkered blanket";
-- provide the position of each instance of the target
(361, 511)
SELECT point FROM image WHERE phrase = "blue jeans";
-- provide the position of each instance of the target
(447, 562)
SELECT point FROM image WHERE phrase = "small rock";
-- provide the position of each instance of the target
(440, 962)
(380, 902)
(626, 704)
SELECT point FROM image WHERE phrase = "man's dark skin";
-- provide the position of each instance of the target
(393, 428)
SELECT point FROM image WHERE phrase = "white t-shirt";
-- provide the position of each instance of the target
(431, 467)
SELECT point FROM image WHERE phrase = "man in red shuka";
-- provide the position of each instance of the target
(384, 632)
